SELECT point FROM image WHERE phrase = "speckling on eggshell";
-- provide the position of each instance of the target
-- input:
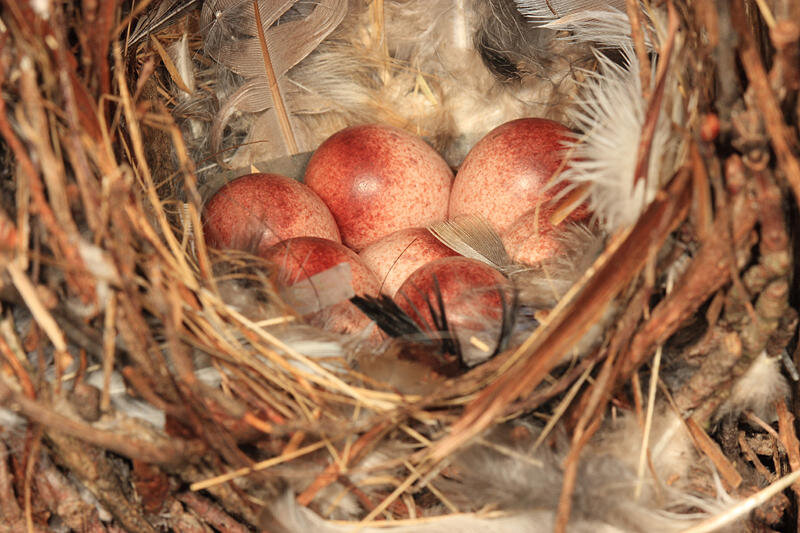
(508, 171)
(378, 179)
(473, 294)
(255, 211)
(397, 255)
(532, 238)
(302, 257)
(459, 279)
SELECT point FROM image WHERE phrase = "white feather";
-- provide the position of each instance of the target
(584, 21)
(41, 8)
(182, 58)
(758, 389)
(610, 29)
(296, 519)
(10, 422)
(125, 404)
(611, 113)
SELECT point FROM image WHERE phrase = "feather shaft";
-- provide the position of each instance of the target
(277, 97)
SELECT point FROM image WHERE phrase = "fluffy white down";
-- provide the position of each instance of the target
(433, 82)
(611, 113)
(295, 518)
(758, 389)
(527, 491)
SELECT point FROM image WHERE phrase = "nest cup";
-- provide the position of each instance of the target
(151, 382)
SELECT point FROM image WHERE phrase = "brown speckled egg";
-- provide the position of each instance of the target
(532, 238)
(255, 211)
(507, 172)
(397, 255)
(379, 179)
(302, 257)
(473, 295)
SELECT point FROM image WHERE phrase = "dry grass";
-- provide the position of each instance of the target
(102, 245)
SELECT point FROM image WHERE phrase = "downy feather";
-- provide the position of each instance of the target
(611, 113)
(605, 24)
(758, 389)
(233, 40)
(451, 71)
(501, 471)
(549, 10)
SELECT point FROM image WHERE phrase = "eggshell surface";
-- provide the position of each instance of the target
(301, 258)
(397, 255)
(473, 295)
(532, 238)
(378, 179)
(508, 171)
(256, 211)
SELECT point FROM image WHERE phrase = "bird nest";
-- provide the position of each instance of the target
(149, 382)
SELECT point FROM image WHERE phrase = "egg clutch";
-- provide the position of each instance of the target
(357, 241)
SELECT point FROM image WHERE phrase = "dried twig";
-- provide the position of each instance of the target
(580, 308)
(789, 439)
(712, 450)
(156, 449)
(211, 513)
(781, 137)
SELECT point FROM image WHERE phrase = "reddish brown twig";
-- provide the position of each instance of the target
(656, 99)
(544, 350)
(637, 34)
(155, 450)
(788, 436)
(712, 450)
(356, 452)
(211, 513)
(780, 135)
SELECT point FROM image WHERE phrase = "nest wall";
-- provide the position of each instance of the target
(151, 382)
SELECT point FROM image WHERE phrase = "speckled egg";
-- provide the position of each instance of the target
(473, 295)
(300, 258)
(508, 171)
(378, 179)
(255, 211)
(397, 255)
(532, 238)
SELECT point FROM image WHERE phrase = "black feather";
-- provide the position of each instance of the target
(389, 317)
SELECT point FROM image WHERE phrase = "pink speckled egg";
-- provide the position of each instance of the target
(300, 258)
(397, 255)
(255, 211)
(508, 171)
(473, 295)
(379, 179)
(532, 238)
